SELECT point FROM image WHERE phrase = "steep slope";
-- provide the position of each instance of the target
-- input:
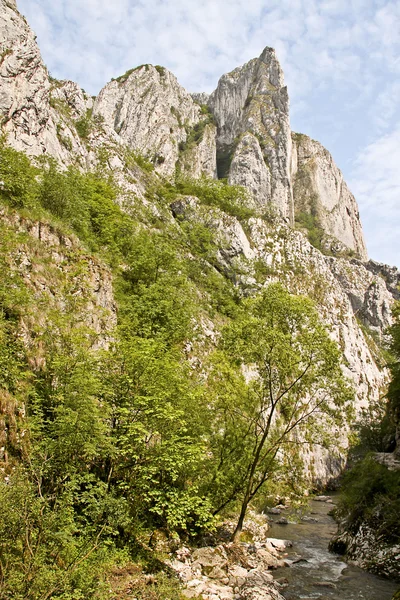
(144, 126)
(319, 190)
(252, 102)
(130, 281)
(35, 110)
(153, 114)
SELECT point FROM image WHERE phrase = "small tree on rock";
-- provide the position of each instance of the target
(295, 392)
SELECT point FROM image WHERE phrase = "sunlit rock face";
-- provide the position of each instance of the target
(30, 100)
(319, 189)
(153, 114)
(253, 99)
(242, 132)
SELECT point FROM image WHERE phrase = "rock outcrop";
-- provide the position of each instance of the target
(34, 120)
(253, 99)
(145, 115)
(152, 114)
(147, 111)
(320, 190)
(369, 551)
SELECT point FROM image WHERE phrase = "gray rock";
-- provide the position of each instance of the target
(252, 98)
(319, 189)
(150, 112)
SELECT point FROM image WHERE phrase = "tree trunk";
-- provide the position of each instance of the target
(236, 534)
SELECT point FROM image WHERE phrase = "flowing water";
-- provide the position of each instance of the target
(320, 574)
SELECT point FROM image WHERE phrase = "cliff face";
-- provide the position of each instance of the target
(251, 108)
(242, 132)
(147, 111)
(151, 113)
(35, 113)
(320, 190)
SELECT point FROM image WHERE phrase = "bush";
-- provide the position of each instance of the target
(232, 199)
(18, 186)
(371, 495)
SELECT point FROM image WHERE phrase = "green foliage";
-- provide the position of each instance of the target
(371, 494)
(232, 199)
(195, 133)
(45, 552)
(300, 389)
(310, 223)
(157, 432)
(132, 438)
(141, 161)
(18, 187)
(84, 125)
(124, 77)
(157, 299)
(160, 70)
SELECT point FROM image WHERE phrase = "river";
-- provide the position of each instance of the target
(319, 574)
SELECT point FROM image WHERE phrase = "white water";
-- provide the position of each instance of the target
(322, 575)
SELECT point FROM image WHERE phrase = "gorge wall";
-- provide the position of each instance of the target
(240, 132)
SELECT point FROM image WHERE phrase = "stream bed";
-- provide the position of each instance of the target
(320, 574)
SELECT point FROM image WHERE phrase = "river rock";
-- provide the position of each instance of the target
(280, 545)
(237, 576)
(308, 519)
(259, 586)
(209, 559)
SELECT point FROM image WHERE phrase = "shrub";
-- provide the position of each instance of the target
(232, 199)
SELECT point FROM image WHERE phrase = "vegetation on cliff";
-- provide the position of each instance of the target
(370, 491)
(103, 446)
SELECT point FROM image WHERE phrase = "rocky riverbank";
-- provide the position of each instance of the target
(231, 571)
(270, 568)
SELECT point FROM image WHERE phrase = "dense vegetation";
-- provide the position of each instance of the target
(370, 491)
(104, 446)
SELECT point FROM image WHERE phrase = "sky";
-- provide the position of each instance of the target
(341, 60)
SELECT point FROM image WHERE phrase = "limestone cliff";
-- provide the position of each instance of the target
(320, 190)
(35, 109)
(153, 114)
(253, 99)
(148, 111)
(144, 121)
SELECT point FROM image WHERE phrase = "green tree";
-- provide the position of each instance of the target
(157, 431)
(18, 186)
(296, 394)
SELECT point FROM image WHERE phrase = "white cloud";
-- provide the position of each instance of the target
(376, 184)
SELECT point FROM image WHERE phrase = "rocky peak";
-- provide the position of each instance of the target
(319, 190)
(151, 113)
(252, 99)
(146, 110)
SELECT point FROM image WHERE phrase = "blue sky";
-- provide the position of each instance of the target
(341, 60)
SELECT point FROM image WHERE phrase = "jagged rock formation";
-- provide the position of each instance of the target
(152, 113)
(147, 113)
(29, 112)
(253, 99)
(319, 190)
